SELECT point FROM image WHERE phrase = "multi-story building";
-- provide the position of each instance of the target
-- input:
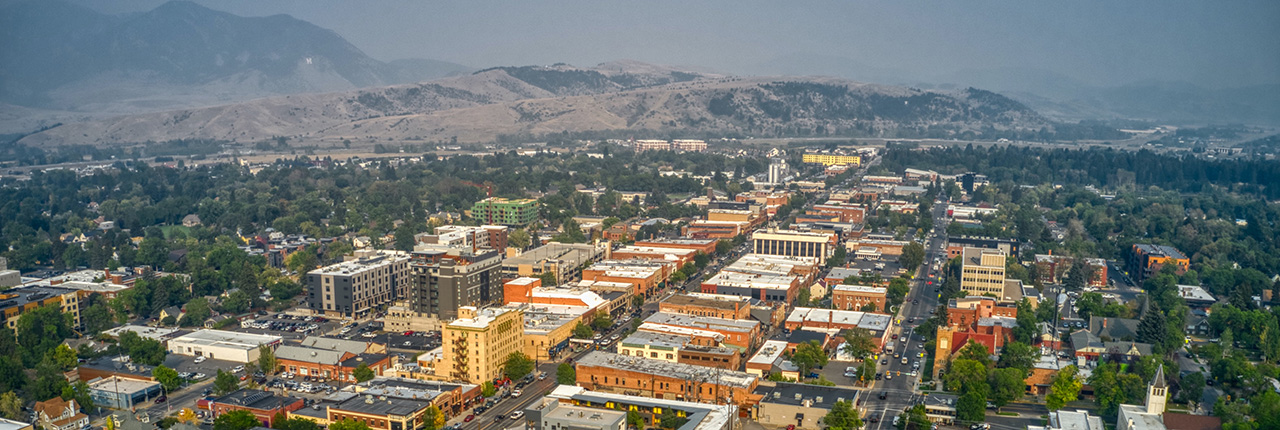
(445, 279)
(777, 170)
(562, 259)
(846, 212)
(58, 414)
(689, 145)
(467, 237)
(644, 275)
(855, 297)
(800, 405)
(708, 305)
(677, 348)
(331, 359)
(830, 159)
(705, 246)
(381, 412)
(353, 289)
(794, 244)
(661, 379)
(1071, 420)
(982, 271)
(706, 229)
(679, 256)
(1052, 268)
(1146, 260)
(826, 319)
(957, 244)
(508, 212)
(16, 301)
(741, 334)
(967, 311)
(641, 145)
(476, 345)
(555, 415)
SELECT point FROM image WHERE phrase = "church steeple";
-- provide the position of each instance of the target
(1157, 393)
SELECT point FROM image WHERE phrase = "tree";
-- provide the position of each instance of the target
(869, 307)
(433, 418)
(302, 261)
(363, 373)
(1007, 385)
(549, 279)
(167, 377)
(13, 374)
(634, 419)
(1028, 328)
(517, 366)
(519, 239)
(966, 374)
(186, 415)
(346, 424)
(838, 256)
(1152, 328)
(912, 255)
(294, 423)
(225, 383)
(236, 420)
(66, 357)
(487, 389)
(566, 374)
(1018, 355)
(11, 406)
(916, 418)
(80, 392)
(723, 247)
(1065, 389)
(976, 352)
(1191, 387)
(669, 419)
(581, 331)
(197, 311)
(146, 351)
(858, 343)
(266, 359)
(842, 417)
(808, 356)
(972, 404)
(602, 322)
(41, 330)
(49, 380)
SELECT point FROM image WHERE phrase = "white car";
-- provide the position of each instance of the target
(199, 359)
(199, 376)
(237, 369)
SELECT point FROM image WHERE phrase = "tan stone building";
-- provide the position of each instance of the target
(982, 271)
(854, 297)
(477, 344)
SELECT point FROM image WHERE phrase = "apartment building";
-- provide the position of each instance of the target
(645, 276)
(1146, 260)
(476, 345)
(16, 301)
(563, 259)
(982, 271)
(443, 279)
(467, 237)
(830, 159)
(354, 288)
(741, 334)
(508, 212)
(1052, 268)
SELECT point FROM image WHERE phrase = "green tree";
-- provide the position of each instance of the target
(916, 418)
(1018, 355)
(566, 374)
(49, 381)
(197, 312)
(972, 404)
(1028, 328)
(842, 417)
(41, 330)
(634, 419)
(519, 239)
(487, 389)
(602, 322)
(146, 351)
(236, 420)
(167, 377)
(669, 419)
(266, 359)
(302, 261)
(517, 365)
(1191, 387)
(13, 374)
(581, 331)
(1065, 389)
(225, 383)
(1152, 328)
(80, 392)
(11, 406)
(404, 237)
(66, 357)
(976, 352)
(858, 343)
(809, 355)
(363, 373)
(723, 247)
(294, 423)
(346, 424)
(912, 255)
(433, 418)
(838, 256)
(966, 374)
(1007, 385)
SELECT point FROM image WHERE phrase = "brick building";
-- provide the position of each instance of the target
(263, 404)
(855, 297)
(615, 373)
(708, 305)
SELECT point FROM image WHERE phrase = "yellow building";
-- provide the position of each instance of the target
(547, 329)
(982, 271)
(16, 301)
(831, 159)
(476, 345)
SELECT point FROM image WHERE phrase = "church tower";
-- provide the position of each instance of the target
(1157, 393)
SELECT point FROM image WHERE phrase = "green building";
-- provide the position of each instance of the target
(495, 210)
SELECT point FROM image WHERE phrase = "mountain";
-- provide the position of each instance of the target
(627, 96)
(180, 54)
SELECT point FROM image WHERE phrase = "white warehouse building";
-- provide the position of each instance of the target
(222, 345)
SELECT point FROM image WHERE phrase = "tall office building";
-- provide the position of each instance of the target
(476, 345)
(794, 244)
(982, 271)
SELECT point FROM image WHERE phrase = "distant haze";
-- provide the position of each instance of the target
(1093, 43)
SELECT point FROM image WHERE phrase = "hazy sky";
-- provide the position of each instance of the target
(1212, 43)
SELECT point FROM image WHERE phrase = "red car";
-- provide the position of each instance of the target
(468, 418)
(408, 333)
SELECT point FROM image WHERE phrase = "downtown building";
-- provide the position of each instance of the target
(794, 244)
(355, 288)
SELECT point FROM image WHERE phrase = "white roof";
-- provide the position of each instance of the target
(116, 384)
(1195, 292)
(684, 331)
(769, 352)
(588, 297)
(154, 333)
(735, 279)
(483, 318)
(860, 289)
(227, 339)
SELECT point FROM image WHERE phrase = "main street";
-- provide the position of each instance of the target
(900, 391)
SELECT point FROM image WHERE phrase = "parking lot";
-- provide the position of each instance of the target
(205, 369)
(288, 326)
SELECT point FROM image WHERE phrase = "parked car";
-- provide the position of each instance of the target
(162, 399)
(517, 414)
(199, 359)
(468, 418)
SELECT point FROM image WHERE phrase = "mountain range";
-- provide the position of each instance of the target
(62, 56)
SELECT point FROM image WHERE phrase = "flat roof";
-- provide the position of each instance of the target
(583, 417)
(382, 405)
(256, 399)
(769, 352)
(822, 397)
(860, 289)
(718, 302)
(702, 416)
(116, 384)
(145, 332)
(653, 339)
(483, 318)
(573, 253)
(361, 265)
(695, 321)
(8, 424)
(744, 280)
(684, 331)
(650, 366)
(793, 235)
(227, 339)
